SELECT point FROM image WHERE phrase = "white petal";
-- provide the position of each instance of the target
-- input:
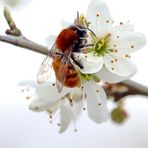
(124, 27)
(121, 67)
(99, 17)
(46, 94)
(91, 63)
(127, 41)
(96, 102)
(49, 91)
(77, 98)
(66, 116)
(39, 105)
(28, 83)
(109, 77)
(65, 24)
(50, 41)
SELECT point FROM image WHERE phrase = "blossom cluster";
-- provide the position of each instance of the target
(108, 59)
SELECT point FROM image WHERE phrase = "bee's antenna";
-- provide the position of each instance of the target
(78, 17)
(91, 31)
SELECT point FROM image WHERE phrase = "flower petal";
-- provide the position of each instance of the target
(110, 77)
(66, 116)
(77, 101)
(99, 17)
(121, 66)
(29, 83)
(50, 41)
(127, 41)
(96, 102)
(90, 62)
(123, 27)
(39, 105)
(46, 94)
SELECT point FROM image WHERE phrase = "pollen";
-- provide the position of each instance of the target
(97, 15)
(88, 23)
(50, 117)
(27, 97)
(97, 91)
(112, 61)
(99, 104)
(127, 56)
(58, 124)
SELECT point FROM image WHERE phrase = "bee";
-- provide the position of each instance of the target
(61, 58)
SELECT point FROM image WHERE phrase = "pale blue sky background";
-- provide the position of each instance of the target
(21, 128)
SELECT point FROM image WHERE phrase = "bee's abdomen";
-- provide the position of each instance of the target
(72, 78)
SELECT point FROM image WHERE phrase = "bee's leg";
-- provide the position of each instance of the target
(77, 62)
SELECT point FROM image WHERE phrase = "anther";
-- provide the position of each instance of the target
(97, 91)
(97, 15)
(99, 104)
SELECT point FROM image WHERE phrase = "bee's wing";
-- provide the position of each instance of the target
(62, 71)
(45, 71)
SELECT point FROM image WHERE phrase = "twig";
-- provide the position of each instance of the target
(126, 88)
(15, 37)
(13, 29)
(24, 43)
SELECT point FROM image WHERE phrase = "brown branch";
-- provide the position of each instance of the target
(126, 88)
(23, 42)
(13, 29)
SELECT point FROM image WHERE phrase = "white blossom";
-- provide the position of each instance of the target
(110, 55)
(70, 102)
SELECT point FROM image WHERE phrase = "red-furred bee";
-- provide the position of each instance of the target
(71, 39)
